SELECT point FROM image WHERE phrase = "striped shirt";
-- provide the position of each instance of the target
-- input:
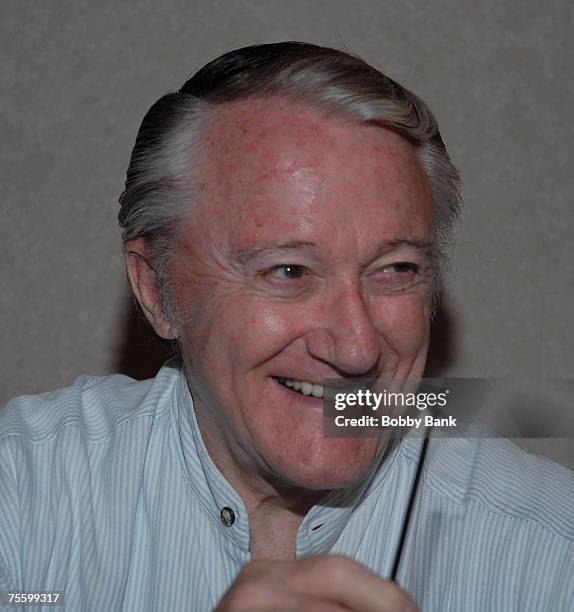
(108, 494)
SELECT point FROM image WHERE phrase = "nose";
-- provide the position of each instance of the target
(345, 335)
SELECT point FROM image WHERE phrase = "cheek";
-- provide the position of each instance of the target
(239, 332)
(404, 325)
(259, 330)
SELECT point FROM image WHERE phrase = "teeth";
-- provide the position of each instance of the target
(303, 386)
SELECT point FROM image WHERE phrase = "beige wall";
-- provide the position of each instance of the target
(77, 77)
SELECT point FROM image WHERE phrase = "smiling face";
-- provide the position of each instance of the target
(308, 257)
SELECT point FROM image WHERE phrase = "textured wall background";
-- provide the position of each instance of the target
(77, 77)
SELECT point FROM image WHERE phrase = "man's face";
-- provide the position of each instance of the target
(304, 260)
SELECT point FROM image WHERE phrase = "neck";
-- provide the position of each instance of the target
(275, 510)
(273, 528)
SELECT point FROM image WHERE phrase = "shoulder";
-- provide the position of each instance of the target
(94, 406)
(490, 513)
(67, 455)
(496, 476)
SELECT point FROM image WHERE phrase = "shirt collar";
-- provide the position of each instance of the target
(322, 525)
(208, 484)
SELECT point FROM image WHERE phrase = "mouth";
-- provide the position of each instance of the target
(302, 387)
(314, 390)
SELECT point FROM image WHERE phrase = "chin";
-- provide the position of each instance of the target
(337, 463)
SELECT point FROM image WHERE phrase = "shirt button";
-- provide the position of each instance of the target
(227, 516)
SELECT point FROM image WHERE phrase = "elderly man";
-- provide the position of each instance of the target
(284, 216)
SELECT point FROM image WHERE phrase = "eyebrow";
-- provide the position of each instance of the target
(245, 255)
(420, 244)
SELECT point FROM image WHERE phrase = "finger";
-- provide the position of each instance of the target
(259, 588)
(315, 605)
(345, 582)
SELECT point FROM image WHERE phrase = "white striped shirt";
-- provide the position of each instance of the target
(108, 494)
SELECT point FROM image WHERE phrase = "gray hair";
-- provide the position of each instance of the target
(159, 191)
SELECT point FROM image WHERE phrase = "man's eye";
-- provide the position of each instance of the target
(402, 267)
(286, 272)
(397, 276)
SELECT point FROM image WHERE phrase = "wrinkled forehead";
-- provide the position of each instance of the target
(269, 158)
(256, 136)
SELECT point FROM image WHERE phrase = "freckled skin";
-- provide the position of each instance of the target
(273, 171)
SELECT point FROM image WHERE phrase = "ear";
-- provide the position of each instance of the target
(145, 285)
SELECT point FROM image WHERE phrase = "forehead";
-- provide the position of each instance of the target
(272, 161)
